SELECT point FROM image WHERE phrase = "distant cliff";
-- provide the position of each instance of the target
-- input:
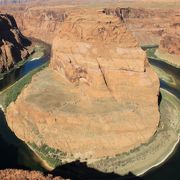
(40, 23)
(13, 45)
(170, 41)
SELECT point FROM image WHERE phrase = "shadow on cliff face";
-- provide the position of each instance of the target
(80, 171)
(159, 99)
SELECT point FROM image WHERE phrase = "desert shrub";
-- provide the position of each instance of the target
(50, 155)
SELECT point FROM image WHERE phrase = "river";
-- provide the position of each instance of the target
(14, 153)
(171, 167)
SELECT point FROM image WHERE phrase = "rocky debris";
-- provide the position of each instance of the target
(13, 45)
(13, 174)
(98, 98)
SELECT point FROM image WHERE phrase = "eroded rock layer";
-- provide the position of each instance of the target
(39, 22)
(170, 41)
(98, 98)
(139, 22)
(13, 45)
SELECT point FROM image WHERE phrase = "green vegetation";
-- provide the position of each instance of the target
(50, 155)
(12, 92)
(151, 53)
(38, 51)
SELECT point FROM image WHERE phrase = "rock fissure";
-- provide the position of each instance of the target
(99, 106)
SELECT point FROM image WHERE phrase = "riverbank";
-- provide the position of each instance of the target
(44, 163)
(162, 161)
(171, 59)
(153, 153)
(39, 49)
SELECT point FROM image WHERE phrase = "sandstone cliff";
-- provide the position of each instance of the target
(13, 45)
(170, 41)
(98, 98)
(39, 22)
(147, 25)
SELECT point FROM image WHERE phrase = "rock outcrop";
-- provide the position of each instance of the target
(98, 98)
(13, 45)
(39, 22)
(20, 174)
(170, 42)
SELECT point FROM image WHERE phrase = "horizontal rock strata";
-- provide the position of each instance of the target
(98, 98)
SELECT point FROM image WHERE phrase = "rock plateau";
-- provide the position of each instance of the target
(98, 98)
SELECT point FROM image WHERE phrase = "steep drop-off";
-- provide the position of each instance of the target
(39, 22)
(98, 98)
(147, 25)
(13, 45)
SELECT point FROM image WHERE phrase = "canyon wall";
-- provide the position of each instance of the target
(98, 98)
(38, 22)
(13, 45)
(170, 41)
(147, 25)
(44, 23)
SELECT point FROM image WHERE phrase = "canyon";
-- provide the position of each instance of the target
(86, 98)
(98, 97)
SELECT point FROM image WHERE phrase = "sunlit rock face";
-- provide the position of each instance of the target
(13, 45)
(139, 22)
(39, 22)
(98, 98)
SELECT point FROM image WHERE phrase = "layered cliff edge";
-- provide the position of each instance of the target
(14, 47)
(39, 22)
(139, 22)
(98, 98)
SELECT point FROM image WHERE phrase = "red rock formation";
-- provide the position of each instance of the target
(170, 41)
(13, 45)
(12, 174)
(147, 25)
(39, 22)
(98, 98)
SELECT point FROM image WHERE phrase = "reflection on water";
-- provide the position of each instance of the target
(17, 74)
